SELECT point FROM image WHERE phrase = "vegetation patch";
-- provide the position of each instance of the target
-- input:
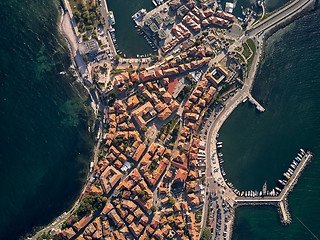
(87, 14)
(239, 56)
(184, 93)
(246, 51)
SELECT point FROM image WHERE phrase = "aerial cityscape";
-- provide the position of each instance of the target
(158, 158)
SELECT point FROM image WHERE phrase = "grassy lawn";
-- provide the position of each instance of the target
(253, 49)
(246, 51)
(252, 46)
(250, 60)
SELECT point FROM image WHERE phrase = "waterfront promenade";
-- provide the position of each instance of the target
(262, 27)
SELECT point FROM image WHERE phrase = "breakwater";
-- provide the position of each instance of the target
(280, 201)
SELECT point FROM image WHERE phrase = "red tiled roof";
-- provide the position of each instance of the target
(181, 175)
(172, 84)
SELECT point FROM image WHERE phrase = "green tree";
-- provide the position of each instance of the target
(188, 77)
(145, 198)
(153, 209)
(85, 58)
(44, 236)
(90, 27)
(76, 15)
(141, 194)
(117, 57)
(65, 224)
(172, 201)
(143, 128)
(206, 234)
(85, 37)
(94, 35)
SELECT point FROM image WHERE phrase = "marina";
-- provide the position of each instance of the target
(278, 196)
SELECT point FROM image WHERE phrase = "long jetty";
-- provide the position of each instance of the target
(279, 201)
(255, 102)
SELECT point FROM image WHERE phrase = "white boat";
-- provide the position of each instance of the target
(111, 18)
(154, 3)
(139, 14)
(278, 189)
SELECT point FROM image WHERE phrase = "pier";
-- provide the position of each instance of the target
(279, 201)
(255, 102)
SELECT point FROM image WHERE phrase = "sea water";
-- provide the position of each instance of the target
(259, 147)
(45, 146)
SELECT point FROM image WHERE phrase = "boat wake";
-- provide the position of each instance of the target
(315, 237)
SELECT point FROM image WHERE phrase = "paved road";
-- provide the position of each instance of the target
(232, 103)
(107, 26)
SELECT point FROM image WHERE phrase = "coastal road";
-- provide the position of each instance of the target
(232, 103)
(107, 26)
(281, 15)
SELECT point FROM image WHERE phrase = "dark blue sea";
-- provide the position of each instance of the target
(259, 147)
(45, 146)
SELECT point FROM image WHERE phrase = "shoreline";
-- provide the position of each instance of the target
(39, 230)
(66, 36)
(254, 69)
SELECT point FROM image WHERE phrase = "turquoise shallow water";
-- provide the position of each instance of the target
(259, 147)
(45, 146)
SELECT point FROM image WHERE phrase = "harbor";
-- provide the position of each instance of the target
(280, 198)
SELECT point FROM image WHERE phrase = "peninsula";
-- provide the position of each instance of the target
(157, 171)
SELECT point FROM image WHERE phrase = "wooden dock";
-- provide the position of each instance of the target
(279, 201)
